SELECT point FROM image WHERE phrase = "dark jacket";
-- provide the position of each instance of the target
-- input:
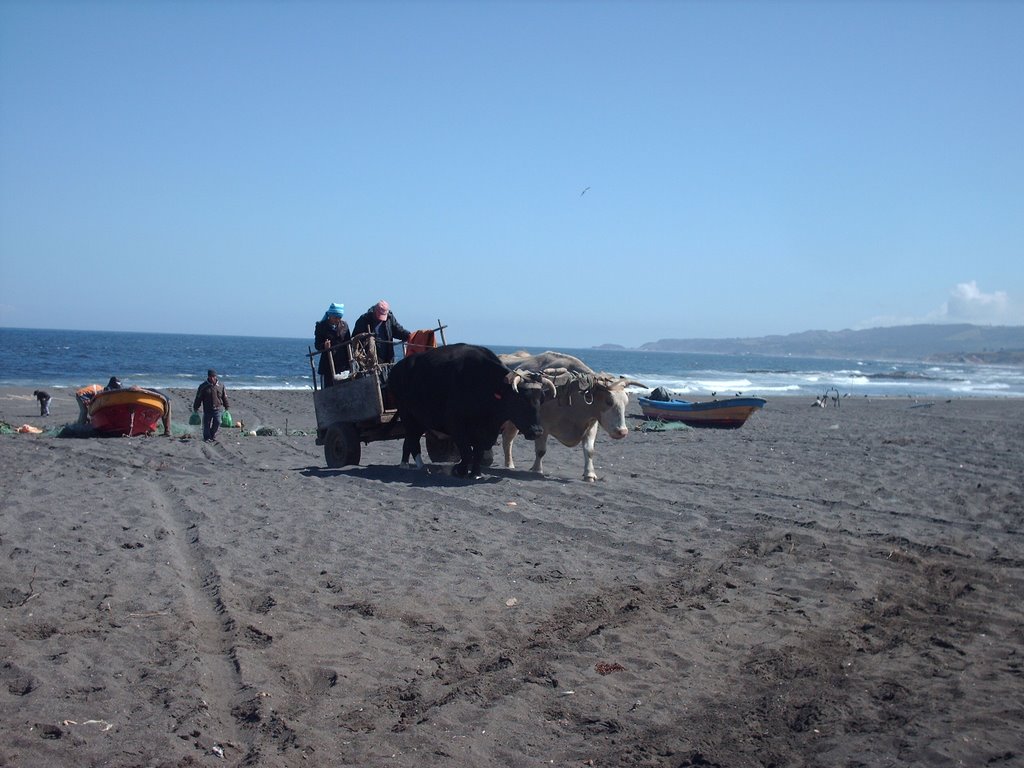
(323, 331)
(385, 331)
(212, 396)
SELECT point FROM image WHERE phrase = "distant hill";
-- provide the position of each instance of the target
(1002, 344)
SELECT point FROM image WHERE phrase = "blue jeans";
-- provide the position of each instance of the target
(211, 423)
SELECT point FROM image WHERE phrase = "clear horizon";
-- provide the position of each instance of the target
(501, 344)
(562, 173)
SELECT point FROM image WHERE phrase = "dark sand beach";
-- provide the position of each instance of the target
(823, 587)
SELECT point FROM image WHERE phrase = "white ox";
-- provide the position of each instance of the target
(584, 400)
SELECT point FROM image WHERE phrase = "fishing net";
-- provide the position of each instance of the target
(656, 425)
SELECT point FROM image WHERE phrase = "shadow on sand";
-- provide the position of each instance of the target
(434, 475)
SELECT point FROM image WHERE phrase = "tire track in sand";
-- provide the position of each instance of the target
(228, 718)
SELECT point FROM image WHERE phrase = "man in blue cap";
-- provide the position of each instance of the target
(331, 336)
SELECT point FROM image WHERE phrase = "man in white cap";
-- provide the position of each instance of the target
(379, 321)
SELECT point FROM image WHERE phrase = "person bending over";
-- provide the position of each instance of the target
(44, 402)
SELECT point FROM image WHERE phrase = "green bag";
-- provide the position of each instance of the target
(226, 420)
(194, 419)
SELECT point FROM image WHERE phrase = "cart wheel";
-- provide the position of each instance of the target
(341, 445)
(441, 449)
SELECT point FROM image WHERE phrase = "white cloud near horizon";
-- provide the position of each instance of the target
(967, 303)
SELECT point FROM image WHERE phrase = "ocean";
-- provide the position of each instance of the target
(69, 359)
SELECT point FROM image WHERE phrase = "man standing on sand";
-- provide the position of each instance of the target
(213, 398)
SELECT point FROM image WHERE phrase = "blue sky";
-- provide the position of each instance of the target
(749, 168)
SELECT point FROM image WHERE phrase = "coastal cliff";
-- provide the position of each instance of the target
(1002, 345)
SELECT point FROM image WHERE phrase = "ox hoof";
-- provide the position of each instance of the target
(590, 478)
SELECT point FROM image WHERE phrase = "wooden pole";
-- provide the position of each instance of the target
(312, 367)
(330, 363)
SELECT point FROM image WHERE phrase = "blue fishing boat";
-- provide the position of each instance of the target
(728, 413)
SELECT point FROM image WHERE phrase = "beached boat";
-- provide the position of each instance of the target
(730, 413)
(127, 412)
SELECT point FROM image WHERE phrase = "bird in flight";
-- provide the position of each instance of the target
(584, 191)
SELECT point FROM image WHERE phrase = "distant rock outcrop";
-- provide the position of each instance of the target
(1002, 357)
(1001, 344)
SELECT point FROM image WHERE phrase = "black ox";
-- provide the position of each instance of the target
(465, 392)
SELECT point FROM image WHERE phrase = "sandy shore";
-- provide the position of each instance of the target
(824, 587)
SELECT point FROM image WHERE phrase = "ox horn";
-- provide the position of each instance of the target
(519, 375)
(547, 382)
(618, 381)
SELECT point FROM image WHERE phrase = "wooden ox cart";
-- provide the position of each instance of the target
(357, 408)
